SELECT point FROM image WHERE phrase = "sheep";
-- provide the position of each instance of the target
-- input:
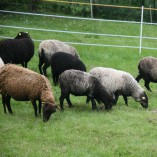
(22, 84)
(148, 71)
(61, 61)
(121, 83)
(81, 83)
(47, 48)
(19, 50)
(1, 62)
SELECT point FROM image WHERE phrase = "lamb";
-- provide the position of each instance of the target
(121, 83)
(148, 71)
(80, 83)
(1, 62)
(61, 61)
(47, 48)
(19, 50)
(22, 84)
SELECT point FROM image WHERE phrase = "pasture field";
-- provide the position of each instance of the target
(125, 131)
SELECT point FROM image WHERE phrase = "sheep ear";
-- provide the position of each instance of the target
(19, 34)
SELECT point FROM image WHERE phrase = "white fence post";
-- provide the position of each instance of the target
(91, 8)
(150, 13)
(141, 31)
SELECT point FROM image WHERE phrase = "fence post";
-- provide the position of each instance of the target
(141, 31)
(91, 8)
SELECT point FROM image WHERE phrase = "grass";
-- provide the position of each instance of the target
(79, 131)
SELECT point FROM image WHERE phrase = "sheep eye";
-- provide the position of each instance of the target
(19, 34)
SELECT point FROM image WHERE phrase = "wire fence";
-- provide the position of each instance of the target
(81, 33)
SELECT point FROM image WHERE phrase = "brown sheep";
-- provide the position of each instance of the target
(22, 84)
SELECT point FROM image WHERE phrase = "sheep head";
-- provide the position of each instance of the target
(48, 109)
(21, 35)
(143, 100)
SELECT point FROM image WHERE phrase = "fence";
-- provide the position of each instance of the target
(140, 37)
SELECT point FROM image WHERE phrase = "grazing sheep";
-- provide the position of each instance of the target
(17, 51)
(61, 61)
(22, 84)
(121, 83)
(80, 83)
(148, 71)
(1, 63)
(47, 48)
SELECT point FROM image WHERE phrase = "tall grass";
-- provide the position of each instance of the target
(79, 131)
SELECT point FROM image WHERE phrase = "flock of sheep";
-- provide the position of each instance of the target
(99, 84)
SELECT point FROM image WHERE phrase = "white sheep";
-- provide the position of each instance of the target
(148, 71)
(23, 84)
(121, 83)
(47, 48)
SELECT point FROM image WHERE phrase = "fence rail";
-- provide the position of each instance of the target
(81, 33)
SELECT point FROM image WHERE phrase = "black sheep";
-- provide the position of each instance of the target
(61, 61)
(19, 50)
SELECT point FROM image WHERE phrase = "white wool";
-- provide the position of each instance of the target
(117, 80)
(1, 62)
(52, 46)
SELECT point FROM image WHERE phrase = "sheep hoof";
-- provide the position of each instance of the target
(70, 106)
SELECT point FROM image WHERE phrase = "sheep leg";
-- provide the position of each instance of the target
(94, 107)
(25, 64)
(35, 107)
(64, 94)
(39, 106)
(55, 78)
(126, 100)
(87, 100)
(8, 104)
(45, 68)
(138, 78)
(68, 101)
(116, 98)
(41, 62)
(62, 97)
(4, 102)
(61, 102)
(146, 84)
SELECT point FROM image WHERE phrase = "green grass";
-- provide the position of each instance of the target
(79, 131)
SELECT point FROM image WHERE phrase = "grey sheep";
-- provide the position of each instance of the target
(121, 83)
(80, 83)
(19, 50)
(22, 84)
(47, 48)
(147, 71)
(61, 61)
